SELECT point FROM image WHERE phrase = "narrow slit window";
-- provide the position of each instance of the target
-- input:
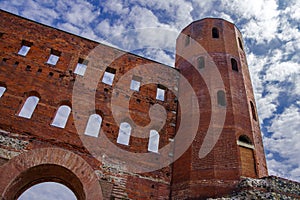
(29, 107)
(240, 43)
(109, 75)
(54, 57)
(201, 62)
(221, 98)
(135, 83)
(25, 48)
(187, 40)
(124, 133)
(61, 117)
(2, 90)
(253, 111)
(215, 33)
(93, 126)
(160, 93)
(234, 65)
(153, 144)
(1, 35)
(81, 67)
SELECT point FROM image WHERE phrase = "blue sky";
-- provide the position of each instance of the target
(271, 32)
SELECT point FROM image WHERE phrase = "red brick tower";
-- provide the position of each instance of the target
(238, 150)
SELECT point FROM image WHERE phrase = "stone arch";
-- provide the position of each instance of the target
(49, 164)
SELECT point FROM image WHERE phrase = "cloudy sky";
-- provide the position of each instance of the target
(271, 31)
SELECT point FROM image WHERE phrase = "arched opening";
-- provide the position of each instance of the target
(45, 173)
(253, 111)
(153, 144)
(221, 98)
(93, 126)
(29, 107)
(215, 32)
(246, 147)
(234, 65)
(48, 190)
(61, 116)
(124, 133)
(2, 90)
(240, 44)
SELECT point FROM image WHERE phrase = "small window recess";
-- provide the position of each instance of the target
(109, 75)
(54, 57)
(201, 62)
(215, 33)
(240, 43)
(187, 40)
(25, 48)
(221, 98)
(160, 92)
(1, 35)
(81, 67)
(234, 65)
(254, 116)
(135, 83)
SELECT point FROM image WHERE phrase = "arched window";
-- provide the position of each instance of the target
(253, 111)
(187, 40)
(234, 65)
(215, 32)
(61, 117)
(28, 107)
(221, 98)
(93, 126)
(153, 141)
(245, 139)
(124, 133)
(2, 90)
(240, 44)
(201, 62)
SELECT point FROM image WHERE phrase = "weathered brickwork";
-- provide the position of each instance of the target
(34, 151)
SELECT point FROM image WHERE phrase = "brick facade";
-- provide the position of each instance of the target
(33, 151)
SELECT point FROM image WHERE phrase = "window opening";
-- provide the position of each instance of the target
(124, 133)
(29, 107)
(93, 126)
(160, 92)
(61, 116)
(201, 62)
(215, 33)
(153, 144)
(234, 65)
(54, 57)
(254, 116)
(109, 75)
(25, 48)
(135, 83)
(221, 98)
(81, 67)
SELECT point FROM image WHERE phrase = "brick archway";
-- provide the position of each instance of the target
(49, 164)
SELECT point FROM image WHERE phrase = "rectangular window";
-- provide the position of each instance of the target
(81, 67)
(54, 56)
(109, 75)
(25, 48)
(1, 34)
(135, 83)
(160, 93)
(187, 40)
(201, 62)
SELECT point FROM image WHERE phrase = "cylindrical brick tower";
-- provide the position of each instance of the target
(210, 54)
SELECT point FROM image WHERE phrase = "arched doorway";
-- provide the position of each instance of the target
(48, 190)
(247, 156)
(49, 164)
